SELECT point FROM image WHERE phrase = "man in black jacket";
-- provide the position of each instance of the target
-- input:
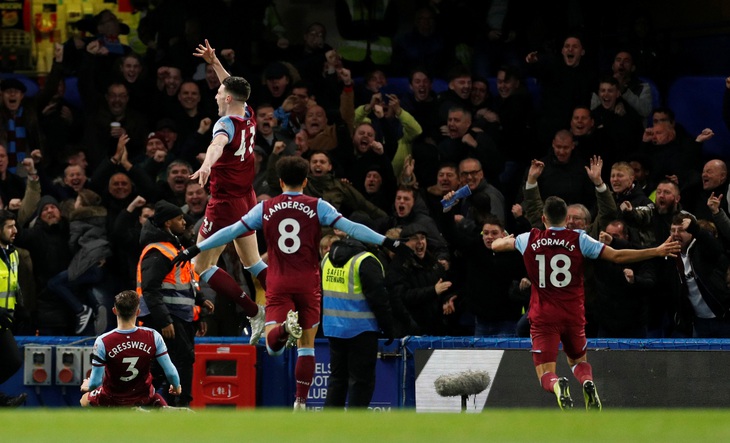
(704, 296)
(168, 294)
(424, 285)
(489, 277)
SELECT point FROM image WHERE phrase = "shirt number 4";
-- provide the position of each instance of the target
(247, 142)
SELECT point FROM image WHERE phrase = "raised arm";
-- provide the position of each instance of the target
(207, 53)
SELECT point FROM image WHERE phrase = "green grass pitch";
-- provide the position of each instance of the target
(30, 425)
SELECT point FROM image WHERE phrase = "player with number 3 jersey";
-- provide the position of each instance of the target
(554, 262)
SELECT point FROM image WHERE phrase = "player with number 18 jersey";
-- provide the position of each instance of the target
(554, 260)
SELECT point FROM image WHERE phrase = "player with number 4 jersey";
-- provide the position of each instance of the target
(554, 261)
(232, 175)
(229, 164)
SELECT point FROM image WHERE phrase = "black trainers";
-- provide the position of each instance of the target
(12, 402)
(82, 319)
(590, 394)
(562, 392)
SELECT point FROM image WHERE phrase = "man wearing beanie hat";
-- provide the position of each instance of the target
(168, 293)
(46, 239)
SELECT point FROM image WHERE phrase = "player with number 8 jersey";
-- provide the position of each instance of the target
(291, 223)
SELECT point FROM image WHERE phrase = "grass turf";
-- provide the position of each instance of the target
(281, 426)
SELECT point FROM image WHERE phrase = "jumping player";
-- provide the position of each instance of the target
(229, 164)
(292, 225)
(120, 374)
(554, 261)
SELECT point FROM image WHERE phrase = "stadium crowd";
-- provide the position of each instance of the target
(84, 180)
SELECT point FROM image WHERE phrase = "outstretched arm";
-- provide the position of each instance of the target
(504, 244)
(207, 53)
(214, 152)
(667, 249)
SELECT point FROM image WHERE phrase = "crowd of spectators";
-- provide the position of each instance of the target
(84, 179)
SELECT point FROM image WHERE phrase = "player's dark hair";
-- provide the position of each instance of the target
(555, 210)
(292, 170)
(238, 87)
(126, 303)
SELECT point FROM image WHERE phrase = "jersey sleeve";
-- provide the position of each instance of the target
(328, 215)
(589, 246)
(521, 242)
(224, 126)
(170, 371)
(97, 364)
(253, 220)
(99, 352)
(159, 343)
(358, 231)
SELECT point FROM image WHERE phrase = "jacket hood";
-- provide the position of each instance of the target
(87, 212)
(343, 250)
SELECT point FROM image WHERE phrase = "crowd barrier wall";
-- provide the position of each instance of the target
(659, 373)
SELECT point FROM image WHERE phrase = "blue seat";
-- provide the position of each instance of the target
(72, 92)
(402, 85)
(30, 84)
(697, 104)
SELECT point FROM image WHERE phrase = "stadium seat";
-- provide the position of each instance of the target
(697, 104)
(401, 85)
(30, 84)
(72, 92)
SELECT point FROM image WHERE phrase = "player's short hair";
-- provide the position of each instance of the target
(292, 170)
(555, 210)
(238, 87)
(126, 304)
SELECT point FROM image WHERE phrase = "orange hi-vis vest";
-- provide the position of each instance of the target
(178, 287)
